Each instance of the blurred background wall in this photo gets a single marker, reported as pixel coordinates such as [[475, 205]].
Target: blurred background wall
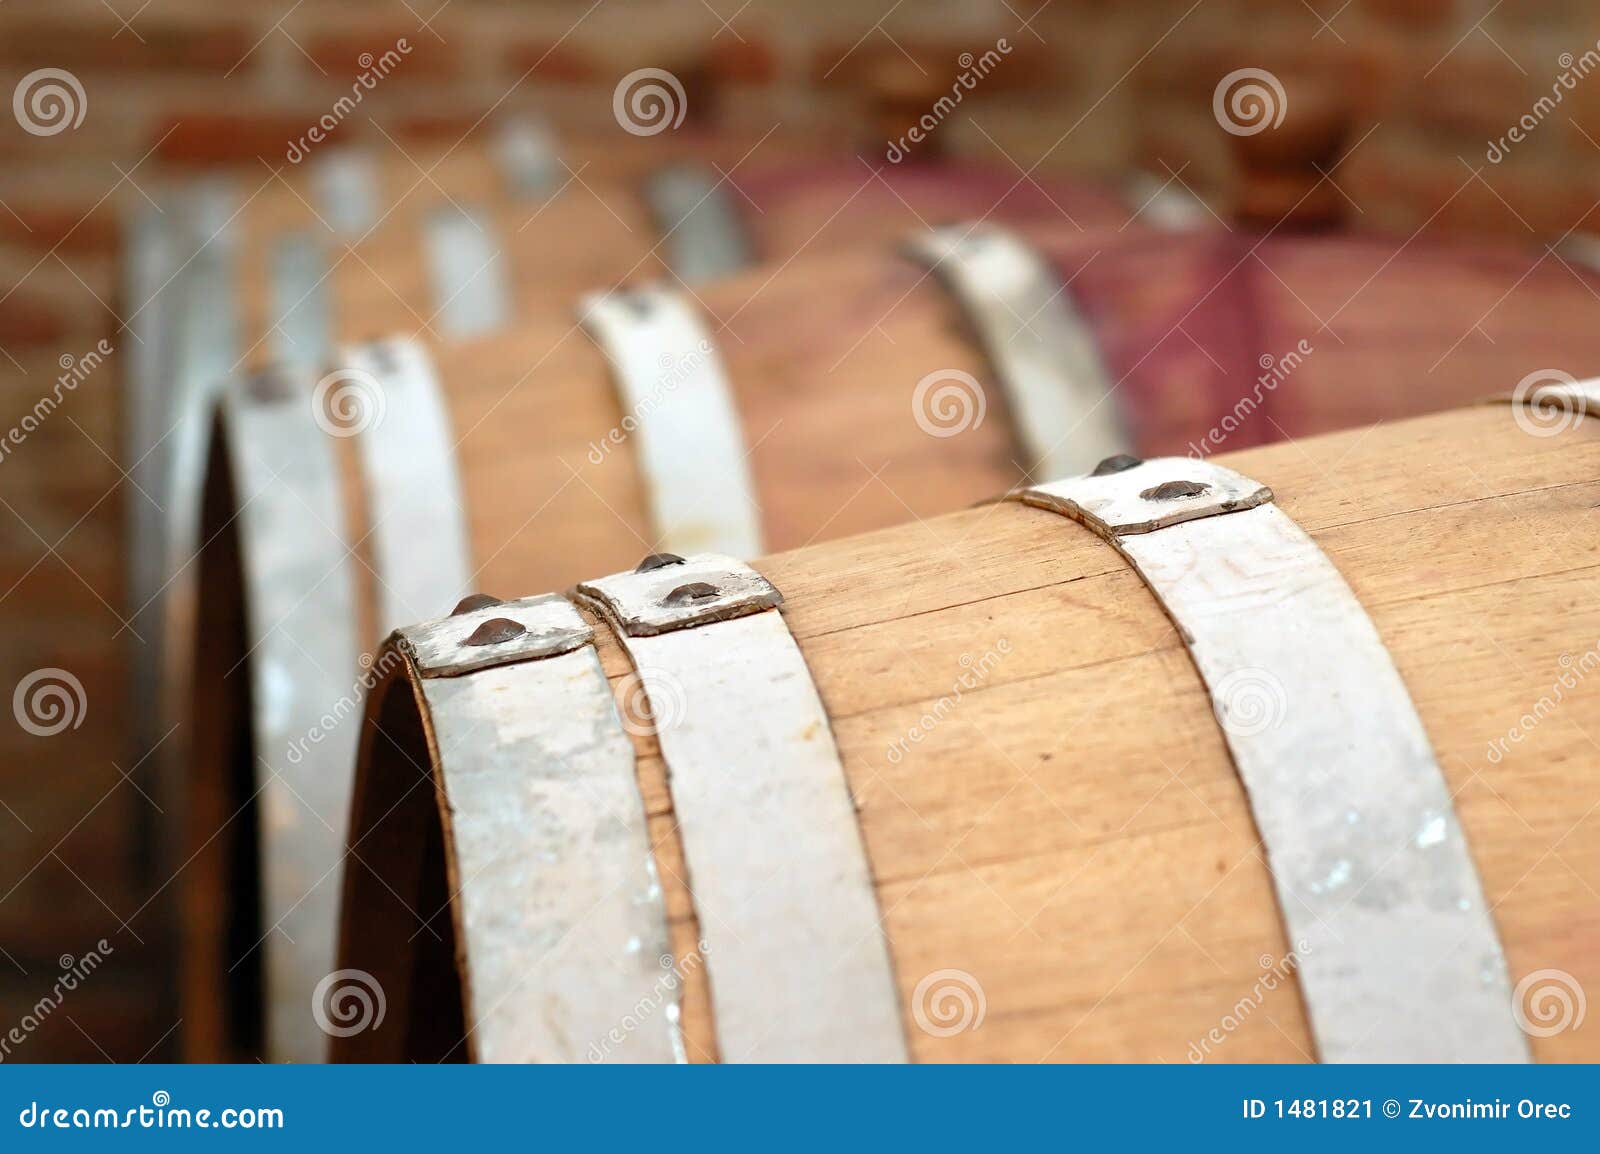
[[1089, 84], [1404, 110]]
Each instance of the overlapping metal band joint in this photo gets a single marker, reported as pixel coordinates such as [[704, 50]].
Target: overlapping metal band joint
[[798, 963]]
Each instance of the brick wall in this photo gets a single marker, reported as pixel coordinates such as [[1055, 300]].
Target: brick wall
[[1090, 84]]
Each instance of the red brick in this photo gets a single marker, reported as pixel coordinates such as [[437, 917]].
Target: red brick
[[936, 64], [742, 61], [1402, 183], [206, 138], [439, 126], [1169, 139], [417, 52], [552, 63], [1551, 199], [1478, 94], [1582, 105], [60, 227], [1316, 123], [28, 324], [209, 47], [1421, 14], [1296, 200], [1186, 68]]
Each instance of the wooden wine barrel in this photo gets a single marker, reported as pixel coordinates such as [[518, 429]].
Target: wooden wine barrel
[[224, 275], [263, 291], [550, 481], [680, 218], [1200, 337], [1053, 833], [426, 396], [268, 280], [229, 274]]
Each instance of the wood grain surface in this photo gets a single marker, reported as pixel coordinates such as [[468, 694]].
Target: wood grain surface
[[1071, 835]]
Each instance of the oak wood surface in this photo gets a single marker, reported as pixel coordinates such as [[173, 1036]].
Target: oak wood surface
[[527, 405], [1072, 834], [825, 348], [824, 352]]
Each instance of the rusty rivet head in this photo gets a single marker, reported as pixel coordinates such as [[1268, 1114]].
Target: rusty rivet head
[[496, 631], [658, 561], [1173, 490], [473, 601], [1121, 463], [690, 594]]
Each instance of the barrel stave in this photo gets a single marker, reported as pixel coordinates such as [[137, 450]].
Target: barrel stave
[[1112, 899]]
